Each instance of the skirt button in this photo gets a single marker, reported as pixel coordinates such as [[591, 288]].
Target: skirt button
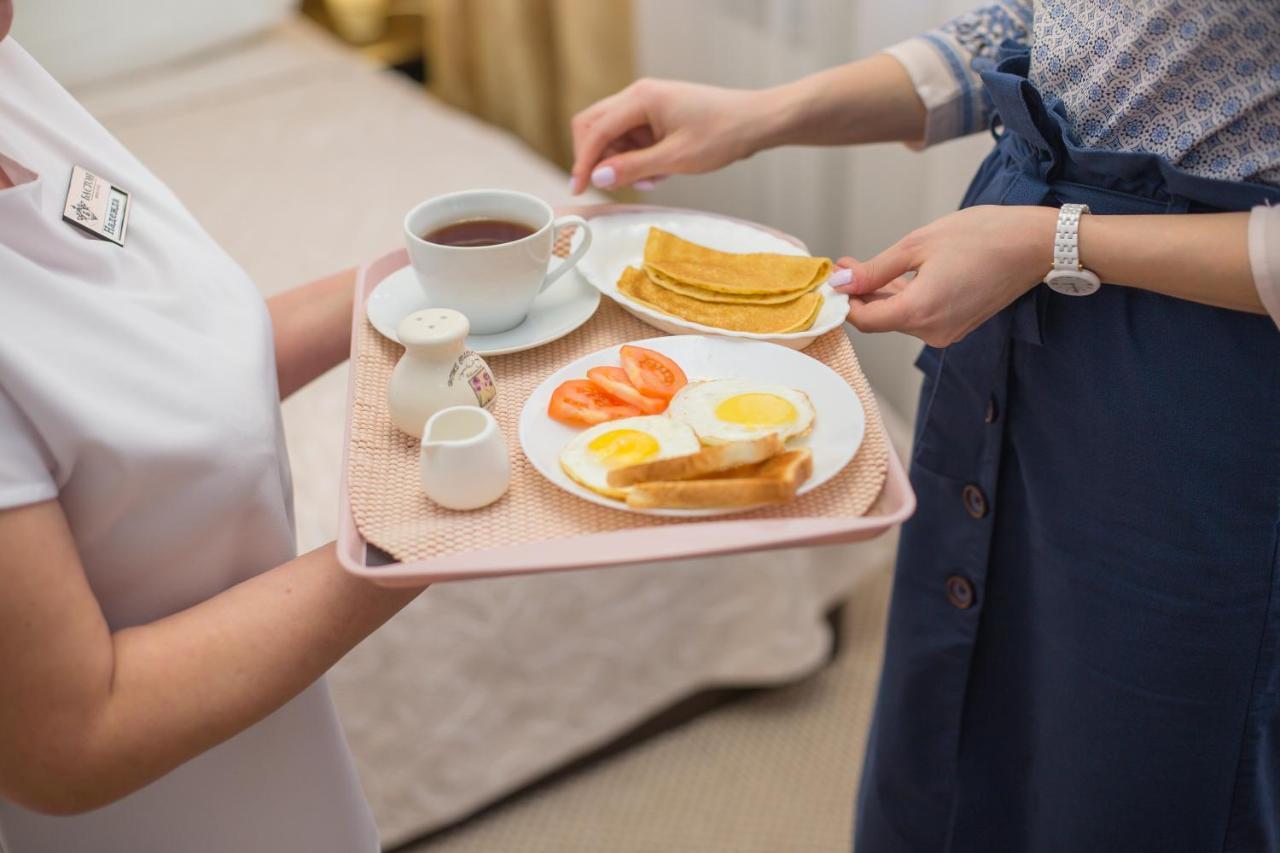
[[959, 592], [975, 502]]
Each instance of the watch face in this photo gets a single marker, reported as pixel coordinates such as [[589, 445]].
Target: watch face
[[1070, 283]]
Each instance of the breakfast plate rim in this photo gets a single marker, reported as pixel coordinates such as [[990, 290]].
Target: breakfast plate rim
[[787, 245], [535, 404]]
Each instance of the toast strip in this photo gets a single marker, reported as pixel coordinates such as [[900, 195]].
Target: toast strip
[[776, 481], [706, 461]]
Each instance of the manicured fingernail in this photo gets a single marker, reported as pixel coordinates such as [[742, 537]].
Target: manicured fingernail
[[645, 184], [604, 177], [573, 189], [841, 277]]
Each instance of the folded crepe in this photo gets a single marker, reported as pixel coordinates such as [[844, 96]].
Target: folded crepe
[[795, 315], [672, 261], [693, 292]]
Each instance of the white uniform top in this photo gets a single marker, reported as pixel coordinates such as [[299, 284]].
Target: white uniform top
[[137, 385]]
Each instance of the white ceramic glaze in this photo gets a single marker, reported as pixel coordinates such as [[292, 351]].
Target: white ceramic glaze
[[463, 458], [494, 286], [436, 371], [619, 243], [557, 311], [837, 430]]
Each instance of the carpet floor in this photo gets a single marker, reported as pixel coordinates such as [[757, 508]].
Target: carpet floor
[[773, 771]]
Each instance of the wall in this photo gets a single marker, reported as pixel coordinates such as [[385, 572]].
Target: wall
[[840, 201]]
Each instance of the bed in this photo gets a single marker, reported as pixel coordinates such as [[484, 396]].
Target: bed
[[300, 158]]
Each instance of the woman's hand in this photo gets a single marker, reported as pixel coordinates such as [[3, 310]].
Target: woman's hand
[[968, 265], [972, 263], [655, 128]]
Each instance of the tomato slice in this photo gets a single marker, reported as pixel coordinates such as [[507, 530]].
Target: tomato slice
[[652, 373], [614, 380], [581, 402]]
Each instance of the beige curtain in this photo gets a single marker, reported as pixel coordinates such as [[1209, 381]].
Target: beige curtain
[[528, 65]]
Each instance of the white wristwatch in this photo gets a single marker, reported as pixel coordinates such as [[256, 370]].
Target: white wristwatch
[[1067, 275]]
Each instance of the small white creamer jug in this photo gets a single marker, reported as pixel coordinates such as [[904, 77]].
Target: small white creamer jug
[[436, 371], [463, 458]]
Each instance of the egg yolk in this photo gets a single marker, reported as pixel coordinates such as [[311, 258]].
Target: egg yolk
[[621, 447], [756, 410]]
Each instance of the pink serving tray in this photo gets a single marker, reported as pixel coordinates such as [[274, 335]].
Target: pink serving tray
[[678, 541]]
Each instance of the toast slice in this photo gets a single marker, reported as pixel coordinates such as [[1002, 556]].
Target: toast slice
[[773, 481], [706, 461]]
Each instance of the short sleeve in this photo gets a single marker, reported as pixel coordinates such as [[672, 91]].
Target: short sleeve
[[26, 468]]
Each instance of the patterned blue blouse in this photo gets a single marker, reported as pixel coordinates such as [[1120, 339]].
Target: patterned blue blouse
[[1195, 81]]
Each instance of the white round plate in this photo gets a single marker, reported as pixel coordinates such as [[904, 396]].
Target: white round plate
[[558, 310], [837, 430], [617, 242]]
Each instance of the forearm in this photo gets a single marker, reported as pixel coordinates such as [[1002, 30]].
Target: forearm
[[185, 683], [871, 100], [312, 329], [1201, 257], [973, 263]]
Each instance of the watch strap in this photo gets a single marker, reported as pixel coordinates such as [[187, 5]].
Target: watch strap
[[1066, 242]]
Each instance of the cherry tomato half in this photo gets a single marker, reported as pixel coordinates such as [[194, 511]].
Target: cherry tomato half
[[652, 373], [581, 402], [614, 381]]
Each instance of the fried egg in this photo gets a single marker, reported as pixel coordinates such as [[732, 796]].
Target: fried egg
[[596, 451], [725, 410]]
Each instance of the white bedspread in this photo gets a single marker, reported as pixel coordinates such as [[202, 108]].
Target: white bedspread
[[301, 159]]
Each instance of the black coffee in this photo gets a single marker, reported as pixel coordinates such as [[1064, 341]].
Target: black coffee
[[478, 232]]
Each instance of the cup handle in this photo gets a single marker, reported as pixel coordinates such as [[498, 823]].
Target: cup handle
[[571, 261]]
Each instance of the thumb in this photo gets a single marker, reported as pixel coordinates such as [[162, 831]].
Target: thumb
[[869, 276], [643, 164], [879, 315]]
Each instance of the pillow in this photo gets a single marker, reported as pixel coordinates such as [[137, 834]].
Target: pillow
[[83, 41]]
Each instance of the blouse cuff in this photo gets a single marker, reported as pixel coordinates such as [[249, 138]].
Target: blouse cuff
[[1264, 257], [945, 85]]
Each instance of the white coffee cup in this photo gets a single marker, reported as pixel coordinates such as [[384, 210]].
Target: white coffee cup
[[493, 285]]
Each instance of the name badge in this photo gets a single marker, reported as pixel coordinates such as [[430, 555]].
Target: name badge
[[97, 206]]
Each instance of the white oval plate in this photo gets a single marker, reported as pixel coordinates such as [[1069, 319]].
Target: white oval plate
[[617, 242], [561, 308], [837, 430]]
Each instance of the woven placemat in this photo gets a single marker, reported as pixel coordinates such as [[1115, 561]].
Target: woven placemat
[[391, 512]]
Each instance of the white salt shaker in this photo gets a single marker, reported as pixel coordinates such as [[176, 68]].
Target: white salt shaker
[[436, 371], [463, 458]]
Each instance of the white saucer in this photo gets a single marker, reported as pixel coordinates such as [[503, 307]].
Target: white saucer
[[561, 308]]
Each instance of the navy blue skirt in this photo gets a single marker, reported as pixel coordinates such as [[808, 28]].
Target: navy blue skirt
[[1082, 644]]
